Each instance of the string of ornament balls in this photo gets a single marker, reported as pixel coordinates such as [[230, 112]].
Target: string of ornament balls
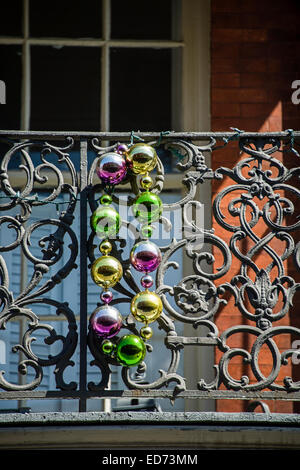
[[106, 321]]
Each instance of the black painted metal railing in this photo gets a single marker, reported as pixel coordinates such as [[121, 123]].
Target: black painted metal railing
[[256, 207]]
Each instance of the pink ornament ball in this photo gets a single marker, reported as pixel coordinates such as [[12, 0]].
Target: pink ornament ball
[[145, 256], [106, 321], [111, 168]]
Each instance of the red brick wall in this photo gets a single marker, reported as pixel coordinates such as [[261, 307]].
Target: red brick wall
[[255, 57]]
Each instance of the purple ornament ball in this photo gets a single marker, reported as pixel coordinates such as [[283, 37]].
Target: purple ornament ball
[[147, 281], [111, 168], [145, 256], [122, 148], [106, 321], [106, 296]]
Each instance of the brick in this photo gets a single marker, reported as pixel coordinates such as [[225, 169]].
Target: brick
[[228, 80], [254, 50], [246, 124], [255, 35], [253, 80], [235, 19], [243, 95], [224, 35], [275, 124], [253, 66], [253, 110], [256, 65], [290, 110], [225, 109], [226, 65], [220, 50]]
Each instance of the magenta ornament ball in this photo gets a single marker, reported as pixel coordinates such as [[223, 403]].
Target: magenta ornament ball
[[147, 281], [106, 321], [111, 168], [145, 256]]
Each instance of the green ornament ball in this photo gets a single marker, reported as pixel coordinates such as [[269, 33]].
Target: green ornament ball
[[146, 231], [131, 350], [147, 207], [106, 200], [107, 346], [105, 221]]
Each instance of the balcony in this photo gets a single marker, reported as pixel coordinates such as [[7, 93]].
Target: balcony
[[226, 274]]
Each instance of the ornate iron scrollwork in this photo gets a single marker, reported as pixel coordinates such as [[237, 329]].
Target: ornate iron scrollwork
[[257, 210], [51, 247]]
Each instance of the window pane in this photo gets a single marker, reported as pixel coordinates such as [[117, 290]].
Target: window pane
[[134, 19], [11, 18], [65, 88], [140, 95], [10, 76], [66, 19]]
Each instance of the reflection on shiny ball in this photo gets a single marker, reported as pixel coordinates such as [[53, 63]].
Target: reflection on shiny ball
[[141, 158], [106, 321], [130, 350], [145, 256], [106, 271], [111, 168], [146, 332], [147, 207], [105, 221], [107, 346], [146, 306]]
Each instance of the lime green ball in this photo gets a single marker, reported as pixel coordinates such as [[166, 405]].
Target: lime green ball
[[130, 350], [105, 221], [147, 207]]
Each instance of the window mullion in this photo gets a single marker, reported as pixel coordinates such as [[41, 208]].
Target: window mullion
[[105, 89], [25, 108]]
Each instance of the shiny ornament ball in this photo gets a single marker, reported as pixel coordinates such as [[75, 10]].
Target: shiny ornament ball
[[106, 321], [146, 332], [141, 158], [111, 168], [147, 207], [106, 200], [107, 346], [147, 281], [146, 231], [146, 306], [122, 148], [105, 247], [130, 350], [145, 256], [106, 222], [106, 271], [146, 182], [106, 296]]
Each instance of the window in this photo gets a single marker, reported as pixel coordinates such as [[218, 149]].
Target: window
[[101, 65], [98, 68], [85, 69]]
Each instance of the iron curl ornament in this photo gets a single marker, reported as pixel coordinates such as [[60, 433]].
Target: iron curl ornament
[[49, 259], [198, 297], [255, 226]]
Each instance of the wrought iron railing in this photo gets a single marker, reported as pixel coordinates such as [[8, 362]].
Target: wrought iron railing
[[254, 227]]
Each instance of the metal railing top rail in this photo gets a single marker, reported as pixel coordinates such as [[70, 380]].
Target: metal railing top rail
[[168, 135]]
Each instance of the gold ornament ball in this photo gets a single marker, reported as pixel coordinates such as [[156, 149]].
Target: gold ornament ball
[[105, 247], [106, 271], [146, 182], [141, 158], [146, 306], [146, 332]]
